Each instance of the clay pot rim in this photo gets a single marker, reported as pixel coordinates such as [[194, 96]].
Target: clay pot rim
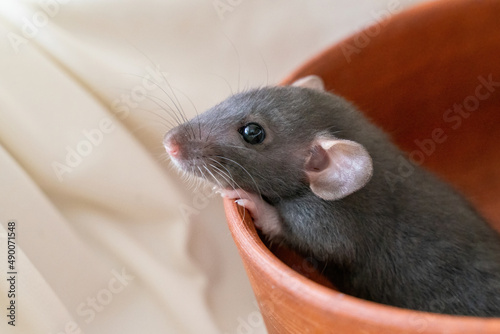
[[335, 302]]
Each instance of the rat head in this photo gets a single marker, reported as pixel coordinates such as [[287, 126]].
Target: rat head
[[276, 141]]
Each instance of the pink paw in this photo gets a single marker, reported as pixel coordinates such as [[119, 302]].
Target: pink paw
[[264, 215]]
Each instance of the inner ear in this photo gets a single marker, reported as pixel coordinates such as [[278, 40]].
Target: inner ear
[[311, 82], [337, 168]]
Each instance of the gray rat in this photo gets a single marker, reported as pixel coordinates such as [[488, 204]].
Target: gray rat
[[312, 170]]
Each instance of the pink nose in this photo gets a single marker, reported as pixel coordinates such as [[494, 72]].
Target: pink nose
[[171, 145], [172, 148]]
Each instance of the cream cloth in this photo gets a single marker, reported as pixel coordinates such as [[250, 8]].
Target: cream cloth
[[108, 238]]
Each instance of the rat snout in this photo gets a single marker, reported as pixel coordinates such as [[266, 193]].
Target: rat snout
[[172, 148], [185, 149], [171, 145]]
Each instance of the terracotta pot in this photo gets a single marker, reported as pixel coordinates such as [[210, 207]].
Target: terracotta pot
[[405, 73]]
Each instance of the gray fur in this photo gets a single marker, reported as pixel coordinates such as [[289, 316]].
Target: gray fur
[[415, 243]]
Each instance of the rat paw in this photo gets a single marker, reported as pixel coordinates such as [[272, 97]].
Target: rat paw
[[264, 215]]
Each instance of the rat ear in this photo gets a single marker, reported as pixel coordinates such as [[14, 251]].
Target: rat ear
[[311, 81], [337, 168]]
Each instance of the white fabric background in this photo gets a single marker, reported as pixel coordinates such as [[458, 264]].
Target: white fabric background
[[107, 229]]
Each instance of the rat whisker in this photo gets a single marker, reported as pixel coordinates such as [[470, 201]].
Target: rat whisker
[[176, 110], [176, 103], [227, 170], [211, 128], [236, 188], [155, 65], [146, 127], [203, 177], [329, 130], [163, 157], [217, 162], [156, 84], [225, 80], [324, 268], [246, 171], [188, 176], [263, 178], [267, 69], [165, 107], [239, 147], [229, 179], [208, 134], [190, 179], [195, 109], [179, 119], [169, 122], [191, 134], [201, 172], [175, 100], [197, 182], [238, 58], [178, 106], [213, 176]]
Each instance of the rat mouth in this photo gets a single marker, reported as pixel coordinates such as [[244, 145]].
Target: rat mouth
[[214, 171]]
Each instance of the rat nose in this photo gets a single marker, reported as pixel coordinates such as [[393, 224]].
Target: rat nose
[[171, 146], [172, 150]]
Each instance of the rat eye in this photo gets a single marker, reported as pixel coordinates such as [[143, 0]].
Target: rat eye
[[252, 133]]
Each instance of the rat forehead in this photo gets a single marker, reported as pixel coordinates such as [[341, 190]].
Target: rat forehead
[[264, 101]]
